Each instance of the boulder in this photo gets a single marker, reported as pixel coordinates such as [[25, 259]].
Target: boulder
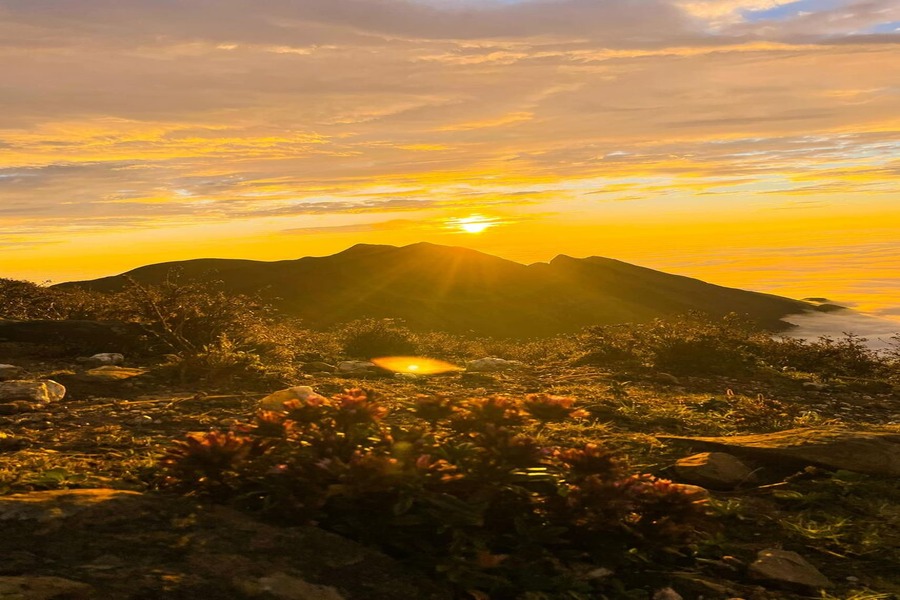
[[44, 588], [276, 400], [8, 372], [814, 386], [110, 373], [104, 358], [787, 569], [85, 336], [699, 495], [355, 367], [872, 452], [130, 545], [317, 367], [667, 593], [715, 470], [15, 408], [33, 391], [286, 587], [666, 378], [492, 364]]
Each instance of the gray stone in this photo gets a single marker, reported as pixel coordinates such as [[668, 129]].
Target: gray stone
[[44, 588], [699, 494], [667, 378], [667, 594], [220, 553], [492, 364], [19, 406], [33, 391], [355, 367], [716, 470], [787, 568], [87, 336], [871, 452], [286, 587], [8, 372], [317, 367], [103, 359]]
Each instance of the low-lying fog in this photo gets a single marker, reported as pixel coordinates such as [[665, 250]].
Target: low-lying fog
[[813, 325]]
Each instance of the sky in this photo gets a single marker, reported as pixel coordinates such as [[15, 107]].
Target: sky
[[751, 143]]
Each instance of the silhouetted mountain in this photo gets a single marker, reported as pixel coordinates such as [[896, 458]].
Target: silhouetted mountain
[[461, 290]]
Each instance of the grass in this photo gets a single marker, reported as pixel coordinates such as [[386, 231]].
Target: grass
[[848, 524]]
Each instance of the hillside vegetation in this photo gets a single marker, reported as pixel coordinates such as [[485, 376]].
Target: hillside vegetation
[[433, 287], [549, 477]]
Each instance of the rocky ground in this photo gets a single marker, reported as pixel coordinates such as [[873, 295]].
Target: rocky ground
[[811, 511]]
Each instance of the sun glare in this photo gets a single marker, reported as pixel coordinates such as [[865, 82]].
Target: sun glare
[[415, 364], [473, 224]]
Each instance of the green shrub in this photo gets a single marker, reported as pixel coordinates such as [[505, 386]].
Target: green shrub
[[370, 338], [462, 490], [21, 300], [846, 356]]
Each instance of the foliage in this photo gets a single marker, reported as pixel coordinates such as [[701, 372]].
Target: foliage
[[370, 338], [26, 300], [697, 345], [463, 489], [23, 300], [846, 356]]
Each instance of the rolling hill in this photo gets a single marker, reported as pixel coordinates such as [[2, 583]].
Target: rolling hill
[[465, 291]]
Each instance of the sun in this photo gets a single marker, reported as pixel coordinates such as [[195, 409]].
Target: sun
[[473, 223]]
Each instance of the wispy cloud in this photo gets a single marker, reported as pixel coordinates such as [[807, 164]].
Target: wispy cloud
[[321, 117]]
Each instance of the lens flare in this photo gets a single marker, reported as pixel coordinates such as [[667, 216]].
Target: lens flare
[[418, 365]]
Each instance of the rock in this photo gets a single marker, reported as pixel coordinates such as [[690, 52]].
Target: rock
[[317, 367], [104, 358], [355, 367], [667, 594], [696, 492], [84, 336], [56, 391], [17, 407], [8, 372], [44, 588], [276, 400], [286, 587], [788, 569], [871, 452], [131, 545], [110, 373], [667, 378], [33, 391], [599, 573], [492, 364], [716, 470]]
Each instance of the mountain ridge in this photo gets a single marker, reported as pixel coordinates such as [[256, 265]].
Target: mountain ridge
[[435, 287]]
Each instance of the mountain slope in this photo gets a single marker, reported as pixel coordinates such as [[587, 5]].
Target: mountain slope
[[461, 290]]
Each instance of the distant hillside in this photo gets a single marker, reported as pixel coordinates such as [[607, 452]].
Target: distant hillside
[[461, 290]]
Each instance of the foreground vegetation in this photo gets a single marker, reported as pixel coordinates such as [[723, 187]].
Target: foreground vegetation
[[546, 481]]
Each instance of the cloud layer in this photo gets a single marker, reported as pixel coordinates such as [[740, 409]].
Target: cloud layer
[[331, 118]]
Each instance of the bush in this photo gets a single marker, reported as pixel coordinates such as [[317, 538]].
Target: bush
[[370, 338], [22, 300], [462, 490], [847, 356], [690, 344]]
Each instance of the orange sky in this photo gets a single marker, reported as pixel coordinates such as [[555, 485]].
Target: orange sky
[[753, 143]]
